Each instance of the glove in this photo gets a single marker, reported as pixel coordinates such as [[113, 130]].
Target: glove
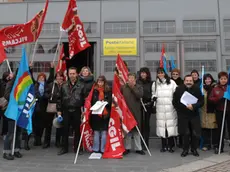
[[59, 118]]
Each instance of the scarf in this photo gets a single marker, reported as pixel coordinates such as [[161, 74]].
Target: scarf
[[41, 88], [100, 98]]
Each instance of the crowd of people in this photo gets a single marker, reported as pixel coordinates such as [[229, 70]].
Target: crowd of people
[[177, 125]]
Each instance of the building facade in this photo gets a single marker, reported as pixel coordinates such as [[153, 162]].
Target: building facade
[[195, 32]]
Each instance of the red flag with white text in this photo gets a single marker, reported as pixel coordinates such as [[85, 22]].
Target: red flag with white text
[[76, 34], [121, 67], [114, 147], [2, 54], [24, 33]]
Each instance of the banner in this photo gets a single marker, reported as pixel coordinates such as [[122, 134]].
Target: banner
[[23, 33], [87, 139], [76, 33], [123, 46]]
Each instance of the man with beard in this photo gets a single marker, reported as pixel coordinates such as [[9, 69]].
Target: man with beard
[[188, 116]]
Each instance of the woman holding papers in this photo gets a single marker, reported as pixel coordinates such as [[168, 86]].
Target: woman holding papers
[[99, 122], [216, 97], [166, 116], [208, 117]]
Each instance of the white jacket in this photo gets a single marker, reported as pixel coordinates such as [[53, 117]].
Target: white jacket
[[166, 116]]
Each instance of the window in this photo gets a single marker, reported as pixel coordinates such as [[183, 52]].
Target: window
[[120, 27], [159, 27], [199, 26], [200, 46], [109, 65], [17, 50], [209, 65], [227, 64], [51, 29], [90, 27], [45, 48], [41, 67], [131, 65], [157, 46], [226, 25], [227, 45]]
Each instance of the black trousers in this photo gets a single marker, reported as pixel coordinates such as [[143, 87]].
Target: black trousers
[[73, 119], [4, 124], [145, 124], [39, 124], [219, 118], [192, 132], [167, 142], [48, 123], [208, 137]]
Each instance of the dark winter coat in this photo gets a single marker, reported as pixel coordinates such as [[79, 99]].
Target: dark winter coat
[[42, 100], [178, 81], [216, 97], [88, 84], [56, 92], [132, 97], [96, 122], [71, 97]]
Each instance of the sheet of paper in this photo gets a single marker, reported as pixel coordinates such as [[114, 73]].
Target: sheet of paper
[[188, 98], [95, 156], [98, 107]]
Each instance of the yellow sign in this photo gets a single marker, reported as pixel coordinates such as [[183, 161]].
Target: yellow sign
[[122, 46]]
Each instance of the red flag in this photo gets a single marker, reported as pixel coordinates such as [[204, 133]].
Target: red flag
[[24, 33], [162, 56], [76, 34], [2, 54], [61, 62], [122, 69], [114, 147]]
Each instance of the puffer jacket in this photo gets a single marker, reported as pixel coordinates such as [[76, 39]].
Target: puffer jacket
[[71, 97], [166, 116]]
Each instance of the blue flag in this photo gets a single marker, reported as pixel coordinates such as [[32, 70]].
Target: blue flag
[[227, 92], [165, 64], [202, 81], [173, 65], [22, 97]]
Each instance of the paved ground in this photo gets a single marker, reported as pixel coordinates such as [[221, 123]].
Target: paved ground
[[40, 160]]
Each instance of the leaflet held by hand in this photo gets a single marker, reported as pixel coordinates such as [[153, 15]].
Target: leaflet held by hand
[[98, 107], [188, 99]]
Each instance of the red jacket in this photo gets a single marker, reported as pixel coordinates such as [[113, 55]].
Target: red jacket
[[216, 97]]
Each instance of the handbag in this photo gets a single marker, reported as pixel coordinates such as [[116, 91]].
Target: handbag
[[3, 103], [52, 107]]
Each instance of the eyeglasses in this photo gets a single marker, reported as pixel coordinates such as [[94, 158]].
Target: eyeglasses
[[175, 74]]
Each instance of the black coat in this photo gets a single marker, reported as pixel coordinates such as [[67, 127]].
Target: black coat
[[88, 84], [71, 97], [96, 122], [56, 92], [178, 81], [147, 90]]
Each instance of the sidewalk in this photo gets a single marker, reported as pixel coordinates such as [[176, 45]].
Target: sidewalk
[[215, 163]]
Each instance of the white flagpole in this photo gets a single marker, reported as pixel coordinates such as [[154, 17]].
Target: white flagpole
[[8, 64], [35, 46], [143, 140], [14, 138], [79, 144], [222, 127], [58, 45]]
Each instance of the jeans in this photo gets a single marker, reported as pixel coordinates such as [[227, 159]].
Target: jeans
[[96, 141], [9, 137]]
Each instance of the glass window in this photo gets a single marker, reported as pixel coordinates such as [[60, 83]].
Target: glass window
[[51, 29], [45, 48], [200, 46], [227, 45], [150, 27], [90, 27], [226, 25], [199, 26], [157, 46], [41, 67], [120, 27], [210, 65], [109, 65], [17, 50]]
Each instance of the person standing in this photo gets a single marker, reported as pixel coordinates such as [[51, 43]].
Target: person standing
[[99, 122], [216, 97], [188, 116], [52, 92], [166, 116], [132, 93], [145, 81], [208, 117], [69, 105], [195, 76]]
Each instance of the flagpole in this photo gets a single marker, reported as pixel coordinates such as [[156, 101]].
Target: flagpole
[[58, 45], [35, 46], [14, 138], [8, 64], [79, 144], [143, 140], [222, 127]]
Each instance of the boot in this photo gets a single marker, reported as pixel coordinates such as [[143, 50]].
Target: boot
[[37, 141]]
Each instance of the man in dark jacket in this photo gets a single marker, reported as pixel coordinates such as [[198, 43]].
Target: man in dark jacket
[[188, 116], [69, 106], [132, 93]]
